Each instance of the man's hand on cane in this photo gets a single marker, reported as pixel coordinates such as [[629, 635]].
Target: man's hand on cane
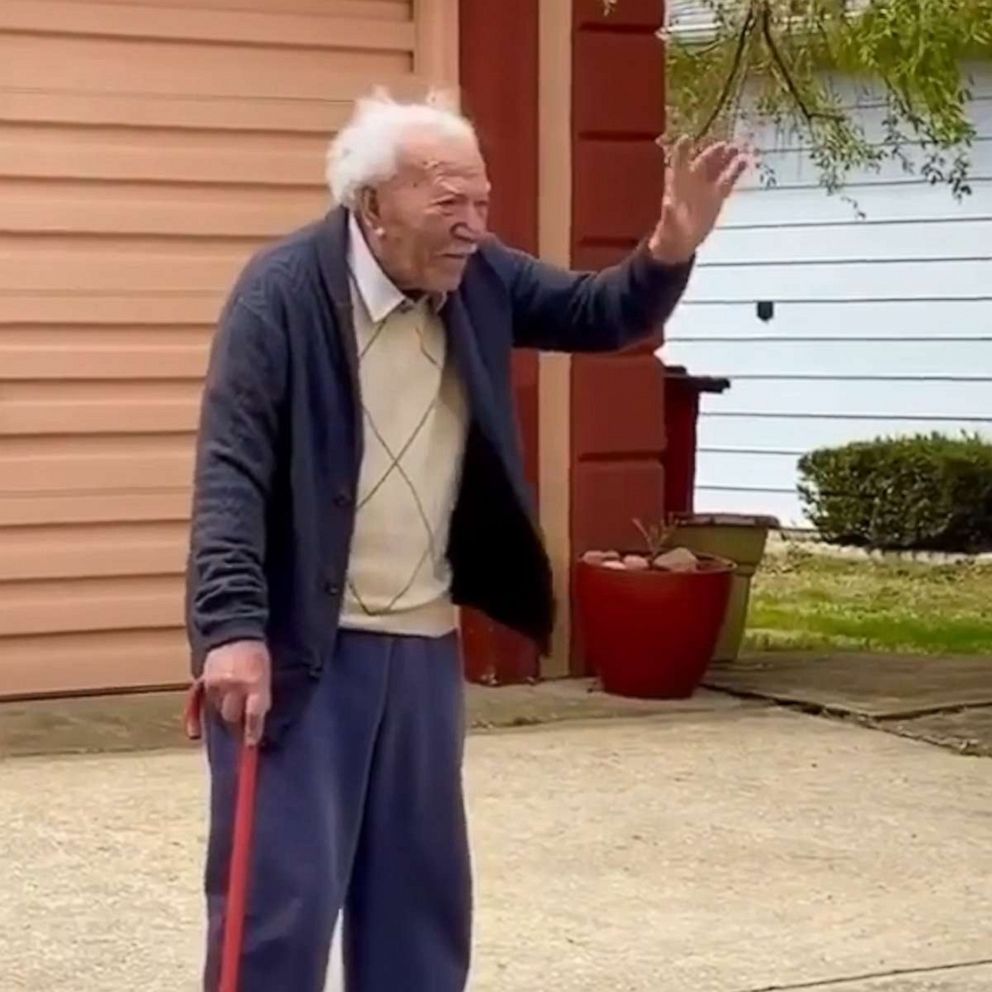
[[237, 680], [696, 188]]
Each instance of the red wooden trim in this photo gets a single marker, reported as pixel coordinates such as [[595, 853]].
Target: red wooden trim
[[498, 65], [617, 402]]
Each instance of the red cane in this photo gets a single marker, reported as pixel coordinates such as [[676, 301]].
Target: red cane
[[239, 871]]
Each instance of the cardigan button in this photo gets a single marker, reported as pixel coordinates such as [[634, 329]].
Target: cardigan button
[[331, 587], [342, 499]]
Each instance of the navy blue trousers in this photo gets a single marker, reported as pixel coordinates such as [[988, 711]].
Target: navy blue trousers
[[360, 809]]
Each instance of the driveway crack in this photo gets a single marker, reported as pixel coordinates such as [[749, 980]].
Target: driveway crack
[[873, 976]]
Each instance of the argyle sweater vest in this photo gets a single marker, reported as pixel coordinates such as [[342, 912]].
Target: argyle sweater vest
[[414, 427]]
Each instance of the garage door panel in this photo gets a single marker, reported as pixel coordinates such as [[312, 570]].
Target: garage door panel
[[83, 551], [147, 149], [159, 249], [170, 210], [96, 417], [58, 17], [39, 271], [70, 605], [88, 661], [92, 157], [382, 10], [86, 307], [85, 64], [50, 465], [127, 360], [92, 344], [319, 115], [26, 509], [72, 143], [110, 391]]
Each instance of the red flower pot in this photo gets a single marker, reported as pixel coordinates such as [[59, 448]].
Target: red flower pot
[[651, 634]]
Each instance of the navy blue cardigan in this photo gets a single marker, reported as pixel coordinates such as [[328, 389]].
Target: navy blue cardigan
[[280, 442]]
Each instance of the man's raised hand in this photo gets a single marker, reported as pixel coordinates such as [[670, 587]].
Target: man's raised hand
[[696, 188]]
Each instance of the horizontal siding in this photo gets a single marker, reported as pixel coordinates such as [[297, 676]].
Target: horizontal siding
[[736, 322], [731, 428], [786, 394], [810, 204], [197, 112], [388, 10], [785, 154], [146, 149], [844, 360], [875, 240], [104, 155], [40, 268], [98, 462], [686, 16], [81, 551], [234, 70], [60, 606], [882, 321], [854, 280], [162, 208], [205, 25], [70, 506], [87, 661]]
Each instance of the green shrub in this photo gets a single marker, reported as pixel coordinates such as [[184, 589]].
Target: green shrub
[[928, 492]]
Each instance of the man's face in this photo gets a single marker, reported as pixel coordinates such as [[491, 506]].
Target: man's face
[[427, 221]]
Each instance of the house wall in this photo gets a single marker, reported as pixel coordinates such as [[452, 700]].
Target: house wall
[[146, 148], [881, 325]]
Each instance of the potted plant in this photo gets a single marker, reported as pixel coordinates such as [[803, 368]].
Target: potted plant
[[737, 536], [649, 621]]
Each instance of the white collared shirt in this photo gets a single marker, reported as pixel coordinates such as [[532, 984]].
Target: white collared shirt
[[379, 293]]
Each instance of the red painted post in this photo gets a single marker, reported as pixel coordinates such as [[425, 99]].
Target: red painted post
[[498, 66], [618, 111]]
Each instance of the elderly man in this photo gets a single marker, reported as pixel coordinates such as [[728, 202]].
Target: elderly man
[[358, 477]]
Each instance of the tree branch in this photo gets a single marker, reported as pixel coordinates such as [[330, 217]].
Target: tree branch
[[768, 34], [728, 85]]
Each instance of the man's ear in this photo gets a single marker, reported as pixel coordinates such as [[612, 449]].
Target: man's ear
[[368, 210]]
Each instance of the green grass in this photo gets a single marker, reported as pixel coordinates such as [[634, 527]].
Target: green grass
[[802, 601]]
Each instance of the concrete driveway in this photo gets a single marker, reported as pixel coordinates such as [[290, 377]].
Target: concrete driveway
[[736, 848]]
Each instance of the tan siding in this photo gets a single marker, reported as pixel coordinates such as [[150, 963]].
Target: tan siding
[[104, 604], [73, 506], [114, 308], [87, 661], [206, 112], [267, 27], [146, 148], [131, 209], [82, 551]]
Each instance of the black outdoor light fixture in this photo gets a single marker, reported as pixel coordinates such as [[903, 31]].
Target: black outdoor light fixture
[[766, 310]]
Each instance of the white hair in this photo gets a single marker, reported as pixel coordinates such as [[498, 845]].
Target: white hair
[[366, 150]]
